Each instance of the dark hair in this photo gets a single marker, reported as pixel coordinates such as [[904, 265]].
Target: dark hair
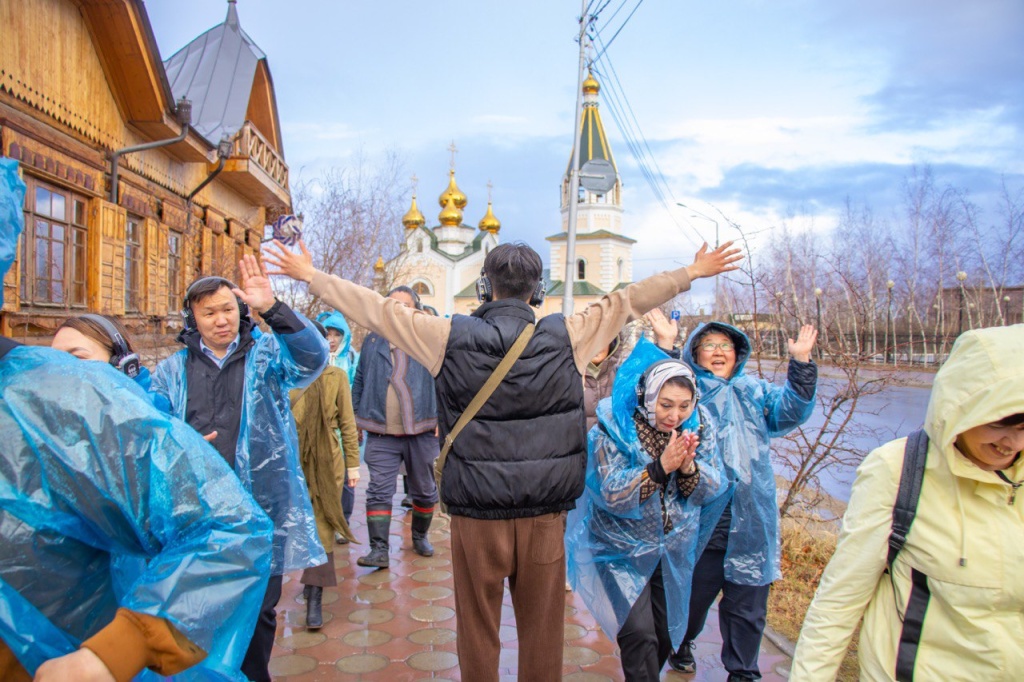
[[514, 270], [681, 382], [1012, 420], [93, 330], [205, 287], [402, 289]]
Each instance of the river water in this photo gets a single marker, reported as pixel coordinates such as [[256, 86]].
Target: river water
[[893, 413]]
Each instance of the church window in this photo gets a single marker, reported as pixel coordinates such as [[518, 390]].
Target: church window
[[581, 269], [419, 246], [622, 270], [422, 288]]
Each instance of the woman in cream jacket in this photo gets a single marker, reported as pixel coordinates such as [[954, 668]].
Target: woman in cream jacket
[[966, 545]]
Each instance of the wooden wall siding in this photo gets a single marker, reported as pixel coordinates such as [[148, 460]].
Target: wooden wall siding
[[105, 253], [48, 60], [51, 163], [173, 216], [155, 275], [206, 254], [262, 110]]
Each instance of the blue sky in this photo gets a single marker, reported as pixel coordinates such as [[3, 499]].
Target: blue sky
[[770, 110]]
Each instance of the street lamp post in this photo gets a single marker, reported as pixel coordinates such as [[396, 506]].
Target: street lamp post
[[961, 277], [817, 316], [889, 322]]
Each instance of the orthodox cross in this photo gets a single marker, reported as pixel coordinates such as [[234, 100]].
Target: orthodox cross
[[415, 183], [490, 186], [453, 149]]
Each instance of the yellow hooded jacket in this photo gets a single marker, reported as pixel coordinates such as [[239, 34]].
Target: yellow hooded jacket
[[967, 538]]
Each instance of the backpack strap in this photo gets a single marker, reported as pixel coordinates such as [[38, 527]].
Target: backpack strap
[[479, 400], [915, 455]]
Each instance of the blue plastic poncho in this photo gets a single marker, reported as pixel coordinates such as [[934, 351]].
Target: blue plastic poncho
[[749, 412], [613, 540], [266, 456], [347, 358]]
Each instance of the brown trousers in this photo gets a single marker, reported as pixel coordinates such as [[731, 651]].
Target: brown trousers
[[322, 575], [531, 554]]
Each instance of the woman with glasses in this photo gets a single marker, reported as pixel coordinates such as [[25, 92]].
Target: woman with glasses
[[741, 559]]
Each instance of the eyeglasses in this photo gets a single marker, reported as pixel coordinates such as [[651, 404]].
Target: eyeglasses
[[710, 347]]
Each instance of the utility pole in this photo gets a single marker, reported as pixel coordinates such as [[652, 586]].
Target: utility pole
[[574, 170]]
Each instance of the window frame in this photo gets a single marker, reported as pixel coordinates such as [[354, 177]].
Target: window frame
[[73, 247]]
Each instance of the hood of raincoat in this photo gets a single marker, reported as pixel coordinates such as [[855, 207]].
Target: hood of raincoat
[[90, 472], [12, 220], [980, 383], [334, 320], [748, 413], [614, 541]]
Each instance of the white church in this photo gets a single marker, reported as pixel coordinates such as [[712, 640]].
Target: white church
[[442, 263]]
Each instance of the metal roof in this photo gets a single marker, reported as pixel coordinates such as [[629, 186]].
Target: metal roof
[[216, 72]]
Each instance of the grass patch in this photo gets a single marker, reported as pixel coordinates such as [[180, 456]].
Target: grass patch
[[806, 549]]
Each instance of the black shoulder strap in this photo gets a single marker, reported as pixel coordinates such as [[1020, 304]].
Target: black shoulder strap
[[914, 456], [6, 345]]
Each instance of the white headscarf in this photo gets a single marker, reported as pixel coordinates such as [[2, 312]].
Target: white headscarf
[[656, 376]]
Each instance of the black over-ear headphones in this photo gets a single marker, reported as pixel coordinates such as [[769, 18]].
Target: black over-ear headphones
[[485, 292], [122, 359], [641, 385], [189, 317]]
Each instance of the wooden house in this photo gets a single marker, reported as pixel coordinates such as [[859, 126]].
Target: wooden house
[[123, 234]]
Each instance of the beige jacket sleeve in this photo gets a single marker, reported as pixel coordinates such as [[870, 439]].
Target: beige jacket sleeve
[[851, 577], [423, 336], [593, 329]]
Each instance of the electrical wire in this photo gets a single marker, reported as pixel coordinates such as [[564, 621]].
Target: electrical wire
[[616, 35], [627, 122]]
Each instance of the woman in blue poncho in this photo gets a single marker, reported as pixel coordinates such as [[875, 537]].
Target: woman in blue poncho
[[633, 540]]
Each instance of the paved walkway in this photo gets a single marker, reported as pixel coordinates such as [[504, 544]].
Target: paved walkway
[[398, 624]]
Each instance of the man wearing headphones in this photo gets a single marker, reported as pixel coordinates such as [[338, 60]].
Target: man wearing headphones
[[519, 464], [395, 404], [231, 381]]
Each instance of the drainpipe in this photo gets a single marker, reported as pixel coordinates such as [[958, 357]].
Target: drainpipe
[[224, 148], [183, 112]]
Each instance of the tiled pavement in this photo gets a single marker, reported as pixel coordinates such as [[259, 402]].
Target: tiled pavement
[[398, 624]]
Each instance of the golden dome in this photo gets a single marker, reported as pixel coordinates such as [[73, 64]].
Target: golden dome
[[590, 85], [413, 218], [454, 192], [490, 223], [379, 265], [450, 215]]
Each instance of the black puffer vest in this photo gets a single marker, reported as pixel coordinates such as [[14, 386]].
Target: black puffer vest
[[525, 452]]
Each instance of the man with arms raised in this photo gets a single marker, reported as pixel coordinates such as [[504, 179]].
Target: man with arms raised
[[519, 464], [231, 381]]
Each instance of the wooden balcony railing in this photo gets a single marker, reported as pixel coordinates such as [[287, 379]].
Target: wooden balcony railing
[[250, 144]]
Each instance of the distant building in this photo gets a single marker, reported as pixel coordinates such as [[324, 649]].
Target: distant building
[[82, 79], [442, 263]]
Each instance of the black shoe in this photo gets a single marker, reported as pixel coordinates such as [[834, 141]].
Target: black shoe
[[421, 545], [733, 677], [378, 556], [407, 502], [305, 593], [377, 528], [314, 610], [682, 660], [340, 539]]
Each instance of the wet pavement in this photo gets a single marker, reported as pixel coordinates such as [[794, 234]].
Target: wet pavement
[[398, 624]]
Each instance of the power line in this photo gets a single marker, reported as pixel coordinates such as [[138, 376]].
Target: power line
[[626, 21]]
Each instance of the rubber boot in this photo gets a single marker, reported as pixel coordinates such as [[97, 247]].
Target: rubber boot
[[305, 593], [378, 523], [421, 518], [314, 608]]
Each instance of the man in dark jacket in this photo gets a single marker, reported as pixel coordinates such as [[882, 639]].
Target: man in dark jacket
[[231, 382], [519, 464], [395, 404]]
